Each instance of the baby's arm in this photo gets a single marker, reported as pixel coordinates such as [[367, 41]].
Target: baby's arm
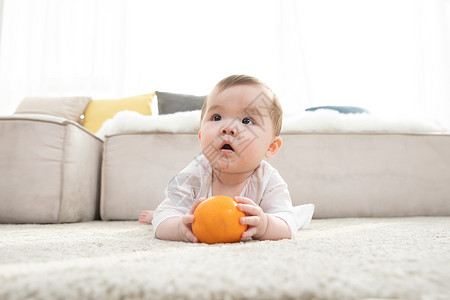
[[178, 228], [262, 226]]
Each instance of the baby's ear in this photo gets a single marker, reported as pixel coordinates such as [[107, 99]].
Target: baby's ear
[[274, 147], [200, 135]]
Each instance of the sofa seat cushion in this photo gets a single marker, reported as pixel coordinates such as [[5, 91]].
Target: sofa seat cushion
[[342, 174], [138, 167], [368, 175]]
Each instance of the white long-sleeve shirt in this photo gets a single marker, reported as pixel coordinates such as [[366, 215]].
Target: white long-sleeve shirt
[[265, 187]]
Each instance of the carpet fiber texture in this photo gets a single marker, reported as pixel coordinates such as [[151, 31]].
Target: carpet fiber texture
[[402, 258]]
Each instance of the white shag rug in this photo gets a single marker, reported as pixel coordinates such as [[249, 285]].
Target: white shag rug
[[401, 258], [322, 120]]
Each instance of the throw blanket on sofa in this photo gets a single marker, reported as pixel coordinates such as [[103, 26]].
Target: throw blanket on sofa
[[310, 121], [401, 258]]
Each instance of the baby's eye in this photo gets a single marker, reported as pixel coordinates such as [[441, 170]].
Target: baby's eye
[[216, 118], [247, 121]]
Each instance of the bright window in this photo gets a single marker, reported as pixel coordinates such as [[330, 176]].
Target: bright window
[[389, 56]]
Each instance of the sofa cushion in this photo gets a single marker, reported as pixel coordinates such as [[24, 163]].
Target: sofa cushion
[[137, 168], [98, 111], [367, 175], [170, 103], [70, 108], [342, 174]]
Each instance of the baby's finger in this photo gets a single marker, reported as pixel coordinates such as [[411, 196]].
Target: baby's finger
[[250, 221], [191, 237], [251, 210], [196, 203], [244, 200], [187, 219], [187, 235], [249, 233]]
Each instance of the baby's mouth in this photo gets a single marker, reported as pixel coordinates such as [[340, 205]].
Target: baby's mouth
[[227, 147]]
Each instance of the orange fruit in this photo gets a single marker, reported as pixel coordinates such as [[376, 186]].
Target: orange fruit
[[217, 221]]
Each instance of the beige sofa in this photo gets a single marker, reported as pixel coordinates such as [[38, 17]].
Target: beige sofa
[[343, 174], [49, 163]]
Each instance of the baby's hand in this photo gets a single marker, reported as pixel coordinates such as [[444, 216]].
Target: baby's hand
[[256, 219], [185, 228]]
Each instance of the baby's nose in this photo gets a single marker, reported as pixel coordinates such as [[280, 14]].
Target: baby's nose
[[229, 130]]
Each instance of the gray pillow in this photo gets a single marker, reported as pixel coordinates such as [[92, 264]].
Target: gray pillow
[[169, 103]]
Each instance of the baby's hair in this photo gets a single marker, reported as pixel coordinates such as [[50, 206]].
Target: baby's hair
[[275, 111]]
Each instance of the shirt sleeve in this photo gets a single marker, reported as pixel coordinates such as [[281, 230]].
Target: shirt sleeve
[[277, 202], [180, 194]]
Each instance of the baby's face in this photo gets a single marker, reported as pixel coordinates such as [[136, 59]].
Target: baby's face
[[236, 130]]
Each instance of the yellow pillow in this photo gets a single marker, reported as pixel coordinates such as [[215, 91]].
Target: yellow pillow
[[98, 111]]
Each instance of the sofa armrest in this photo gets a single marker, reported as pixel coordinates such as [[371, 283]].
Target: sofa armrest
[[48, 119], [50, 170]]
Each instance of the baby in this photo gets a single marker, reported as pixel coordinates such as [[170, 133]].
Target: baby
[[240, 126]]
